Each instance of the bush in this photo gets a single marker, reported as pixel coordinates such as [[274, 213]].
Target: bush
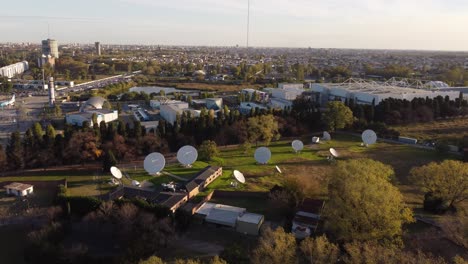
[[82, 205]]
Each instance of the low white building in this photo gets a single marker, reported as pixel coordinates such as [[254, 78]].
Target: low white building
[[368, 92], [169, 110], [287, 94], [277, 103], [231, 216], [19, 189], [263, 96], [291, 86], [93, 106], [249, 223]]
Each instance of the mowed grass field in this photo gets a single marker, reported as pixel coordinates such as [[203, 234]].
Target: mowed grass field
[[311, 165], [81, 183], [445, 130]]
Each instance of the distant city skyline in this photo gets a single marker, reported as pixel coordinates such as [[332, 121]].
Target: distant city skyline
[[357, 24]]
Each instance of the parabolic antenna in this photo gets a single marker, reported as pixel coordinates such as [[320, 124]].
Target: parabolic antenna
[[334, 153], [315, 140], [369, 137], [278, 169], [297, 145], [262, 155], [154, 163], [116, 172], [135, 183], [326, 136], [239, 176], [187, 155]]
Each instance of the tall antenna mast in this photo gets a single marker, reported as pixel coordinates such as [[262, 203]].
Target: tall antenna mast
[[248, 22], [48, 30]]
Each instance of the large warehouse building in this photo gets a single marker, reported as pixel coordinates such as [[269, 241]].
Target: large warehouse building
[[366, 92]]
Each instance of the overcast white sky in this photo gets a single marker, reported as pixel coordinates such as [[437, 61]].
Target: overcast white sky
[[371, 24]]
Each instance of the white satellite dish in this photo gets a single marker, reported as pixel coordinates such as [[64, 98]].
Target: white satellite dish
[[239, 176], [135, 183], [154, 163], [262, 155], [116, 172], [297, 145], [369, 137], [315, 140], [326, 136], [334, 153], [187, 155], [278, 169]]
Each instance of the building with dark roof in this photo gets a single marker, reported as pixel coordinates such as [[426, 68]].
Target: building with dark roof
[[168, 199], [307, 217], [200, 180]]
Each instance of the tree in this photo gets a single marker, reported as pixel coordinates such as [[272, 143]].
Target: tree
[[357, 252], [245, 147], [363, 204], [447, 180], [14, 151], [152, 260], [108, 161], [275, 247], [82, 147], [57, 110], [337, 115], [263, 127], [208, 150], [319, 250], [3, 157]]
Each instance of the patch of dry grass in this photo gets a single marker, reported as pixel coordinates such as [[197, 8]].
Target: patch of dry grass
[[450, 130]]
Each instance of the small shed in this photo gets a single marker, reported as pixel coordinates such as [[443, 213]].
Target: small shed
[[249, 223], [19, 189]]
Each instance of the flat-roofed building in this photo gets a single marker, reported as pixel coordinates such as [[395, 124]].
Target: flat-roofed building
[[94, 106], [368, 92], [19, 189], [249, 223]]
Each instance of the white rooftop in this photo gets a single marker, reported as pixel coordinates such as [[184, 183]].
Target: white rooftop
[[250, 218]]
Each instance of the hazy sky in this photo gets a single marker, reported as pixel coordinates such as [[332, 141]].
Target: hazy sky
[[381, 24]]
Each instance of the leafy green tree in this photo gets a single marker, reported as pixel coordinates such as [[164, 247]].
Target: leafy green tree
[[57, 110], [246, 147], [275, 247], [152, 260], [368, 252], [208, 150], [363, 204], [14, 151], [262, 128], [108, 161], [38, 132], [447, 180], [337, 115], [319, 250], [5, 85]]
